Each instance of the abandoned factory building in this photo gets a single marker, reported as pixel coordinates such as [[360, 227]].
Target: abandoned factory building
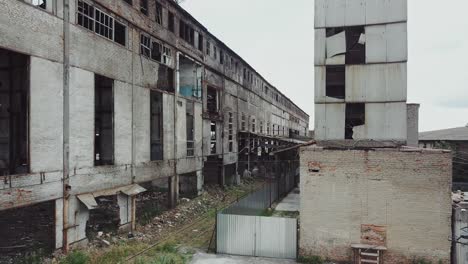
[[368, 194], [99, 98]]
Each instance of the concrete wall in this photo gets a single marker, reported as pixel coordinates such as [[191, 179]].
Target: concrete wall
[[407, 193]]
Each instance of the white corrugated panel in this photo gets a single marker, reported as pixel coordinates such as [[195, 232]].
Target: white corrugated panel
[[396, 81], [320, 10], [336, 44], [319, 46], [282, 243], [397, 42], [384, 121], [386, 11], [375, 11], [335, 13], [355, 12], [376, 44], [336, 60], [330, 121], [235, 234]]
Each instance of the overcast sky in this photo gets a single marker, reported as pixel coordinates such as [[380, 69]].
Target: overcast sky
[[276, 37]]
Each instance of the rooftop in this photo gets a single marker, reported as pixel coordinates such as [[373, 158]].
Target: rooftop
[[454, 134]]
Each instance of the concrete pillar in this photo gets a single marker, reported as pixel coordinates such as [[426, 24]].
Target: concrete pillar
[[412, 125], [173, 190], [58, 223], [200, 182]]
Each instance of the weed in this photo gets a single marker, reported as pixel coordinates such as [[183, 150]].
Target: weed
[[75, 257], [35, 257], [310, 260]]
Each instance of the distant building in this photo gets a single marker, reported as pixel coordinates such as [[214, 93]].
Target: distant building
[[455, 139]]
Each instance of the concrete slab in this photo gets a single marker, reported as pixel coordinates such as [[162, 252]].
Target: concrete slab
[[290, 203], [203, 258]]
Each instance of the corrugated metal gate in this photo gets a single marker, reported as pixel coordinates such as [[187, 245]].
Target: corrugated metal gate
[[240, 230]]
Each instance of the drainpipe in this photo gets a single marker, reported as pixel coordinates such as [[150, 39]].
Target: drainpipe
[[173, 182], [66, 124], [132, 166]]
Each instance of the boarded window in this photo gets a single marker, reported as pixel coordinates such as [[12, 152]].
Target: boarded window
[[190, 122], [14, 109], [335, 82], [213, 137], [212, 99], [156, 126], [104, 121], [355, 116]]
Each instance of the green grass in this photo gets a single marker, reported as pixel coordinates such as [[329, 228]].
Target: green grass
[[76, 257], [310, 260]]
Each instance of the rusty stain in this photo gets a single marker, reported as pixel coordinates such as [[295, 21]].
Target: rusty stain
[[373, 235]]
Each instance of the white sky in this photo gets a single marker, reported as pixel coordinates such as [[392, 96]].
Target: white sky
[[276, 37]]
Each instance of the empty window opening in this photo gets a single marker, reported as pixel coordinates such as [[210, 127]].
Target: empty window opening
[[165, 79], [212, 100], [156, 126], [120, 35], [253, 125], [336, 82], [186, 32], [104, 121], [268, 128], [190, 125], [261, 127], [156, 51], [355, 116], [188, 187], [231, 132], [221, 57], [144, 7], [27, 230], [14, 109], [215, 52], [213, 137], [153, 202], [159, 13], [104, 218], [200, 42], [190, 78], [243, 123], [170, 21], [40, 3], [208, 48], [355, 46]]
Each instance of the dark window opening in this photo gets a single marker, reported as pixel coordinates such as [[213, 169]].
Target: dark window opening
[[14, 111], [156, 51], [243, 122], [165, 79], [105, 217], [104, 24], [130, 2], [335, 82], [40, 3], [215, 52], [120, 34], [186, 32], [208, 48], [333, 31], [212, 99], [231, 132], [159, 13], [86, 15], [104, 121], [181, 29], [190, 122], [156, 126], [200, 42], [144, 7], [213, 137], [253, 125], [355, 52], [355, 116], [170, 22], [221, 57]]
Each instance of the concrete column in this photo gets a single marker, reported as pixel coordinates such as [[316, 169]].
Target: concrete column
[[58, 223], [173, 190], [412, 125]]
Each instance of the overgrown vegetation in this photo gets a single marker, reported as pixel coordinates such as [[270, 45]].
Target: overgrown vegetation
[[423, 261], [310, 260], [75, 257]]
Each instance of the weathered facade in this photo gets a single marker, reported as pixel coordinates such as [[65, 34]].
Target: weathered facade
[[396, 199], [99, 96]]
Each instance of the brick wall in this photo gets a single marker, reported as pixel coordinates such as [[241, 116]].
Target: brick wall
[[405, 194]]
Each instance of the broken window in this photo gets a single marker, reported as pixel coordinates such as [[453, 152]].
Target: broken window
[[145, 45], [200, 42], [355, 116], [186, 32], [104, 121], [335, 81], [40, 3], [156, 126], [144, 7], [213, 137], [167, 55], [170, 21], [190, 78], [120, 35], [14, 109], [190, 120], [159, 13], [243, 122], [165, 79], [355, 45], [208, 48], [231, 132], [156, 51], [212, 99], [101, 23]]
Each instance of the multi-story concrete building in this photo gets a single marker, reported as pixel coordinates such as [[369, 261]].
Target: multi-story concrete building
[[99, 96], [360, 70], [365, 196]]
